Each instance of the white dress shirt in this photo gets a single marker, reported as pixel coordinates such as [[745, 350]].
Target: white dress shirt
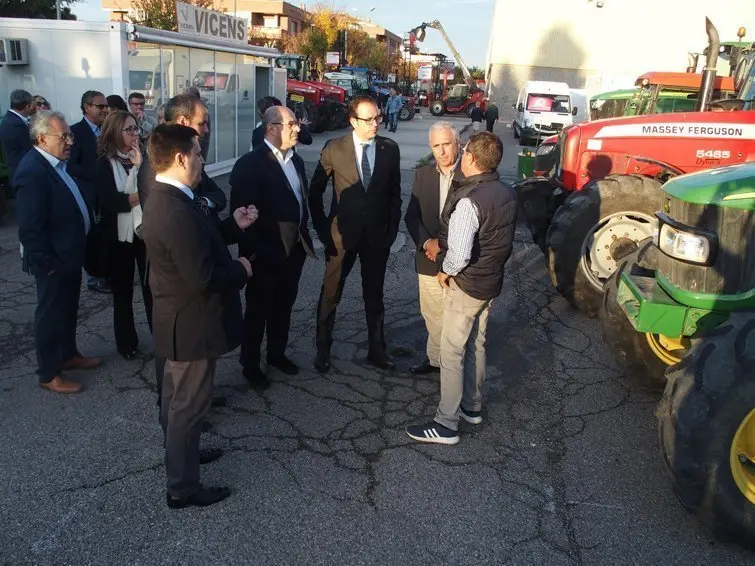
[[289, 170], [462, 229], [370, 154], [178, 184]]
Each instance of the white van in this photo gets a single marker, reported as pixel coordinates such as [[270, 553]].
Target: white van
[[542, 109]]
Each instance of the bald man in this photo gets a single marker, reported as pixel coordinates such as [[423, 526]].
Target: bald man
[[272, 177]]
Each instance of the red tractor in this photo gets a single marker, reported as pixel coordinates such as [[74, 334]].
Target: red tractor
[[460, 97], [601, 199]]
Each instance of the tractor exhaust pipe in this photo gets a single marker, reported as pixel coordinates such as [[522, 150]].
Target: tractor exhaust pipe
[[692, 59], [709, 73]]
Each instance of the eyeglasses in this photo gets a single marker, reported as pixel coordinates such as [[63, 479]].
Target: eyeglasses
[[132, 130], [99, 106], [291, 124], [374, 119], [66, 136]]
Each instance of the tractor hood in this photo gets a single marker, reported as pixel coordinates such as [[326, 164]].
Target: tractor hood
[[731, 187]]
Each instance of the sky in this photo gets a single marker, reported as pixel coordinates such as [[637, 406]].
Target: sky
[[467, 22]]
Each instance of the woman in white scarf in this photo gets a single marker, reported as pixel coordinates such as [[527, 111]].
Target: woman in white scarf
[[117, 167]]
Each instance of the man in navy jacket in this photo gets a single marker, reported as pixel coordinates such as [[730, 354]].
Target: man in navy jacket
[[14, 130], [83, 162], [53, 222]]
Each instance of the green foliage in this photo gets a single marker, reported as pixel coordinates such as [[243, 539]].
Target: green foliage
[[36, 9], [161, 14]]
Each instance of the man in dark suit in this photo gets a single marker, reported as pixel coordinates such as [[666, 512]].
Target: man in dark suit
[[363, 222], [273, 179], [14, 130], [83, 162], [186, 110], [53, 221], [197, 309], [258, 134], [431, 187]]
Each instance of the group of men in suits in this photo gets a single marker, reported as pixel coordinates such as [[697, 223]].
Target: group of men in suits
[[362, 223]]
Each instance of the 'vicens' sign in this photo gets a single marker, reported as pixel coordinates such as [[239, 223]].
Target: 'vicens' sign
[[209, 23]]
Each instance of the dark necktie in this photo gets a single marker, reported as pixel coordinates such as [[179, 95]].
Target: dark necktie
[[201, 205], [366, 174]]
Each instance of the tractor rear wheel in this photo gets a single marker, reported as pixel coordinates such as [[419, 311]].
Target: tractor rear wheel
[[706, 426], [438, 108], [593, 230], [406, 113], [645, 355]]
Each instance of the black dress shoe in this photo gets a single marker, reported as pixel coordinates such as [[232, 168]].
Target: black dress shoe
[[285, 365], [322, 363], [424, 367], [207, 455], [219, 401], [381, 361], [256, 378], [201, 498], [130, 354]]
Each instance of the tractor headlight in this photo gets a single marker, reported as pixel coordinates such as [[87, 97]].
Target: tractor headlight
[[545, 148], [685, 243]]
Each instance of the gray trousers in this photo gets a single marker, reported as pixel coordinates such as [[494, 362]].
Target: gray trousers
[[431, 295], [462, 355], [187, 396]]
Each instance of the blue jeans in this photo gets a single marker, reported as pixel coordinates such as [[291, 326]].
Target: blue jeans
[[393, 120]]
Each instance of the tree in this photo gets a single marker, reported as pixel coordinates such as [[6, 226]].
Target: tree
[[161, 14], [36, 9]]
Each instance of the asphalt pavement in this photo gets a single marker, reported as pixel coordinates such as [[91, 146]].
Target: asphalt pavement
[[565, 468]]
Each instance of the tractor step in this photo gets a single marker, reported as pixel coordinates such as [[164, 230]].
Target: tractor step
[[650, 308]]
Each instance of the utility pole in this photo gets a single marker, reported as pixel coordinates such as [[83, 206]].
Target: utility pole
[[57, 9]]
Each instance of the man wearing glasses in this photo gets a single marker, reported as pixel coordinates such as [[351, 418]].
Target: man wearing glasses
[[53, 221], [363, 222], [272, 178], [136, 102], [83, 162]]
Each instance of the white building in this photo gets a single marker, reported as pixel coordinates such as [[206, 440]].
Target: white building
[[599, 45], [62, 59]]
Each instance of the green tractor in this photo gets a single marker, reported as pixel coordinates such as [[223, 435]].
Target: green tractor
[[684, 302]]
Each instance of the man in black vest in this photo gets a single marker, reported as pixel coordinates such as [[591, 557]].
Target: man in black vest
[[430, 190], [272, 178], [476, 237]]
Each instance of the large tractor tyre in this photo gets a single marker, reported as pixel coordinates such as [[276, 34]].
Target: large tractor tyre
[[468, 110], [706, 427], [593, 230], [406, 113], [645, 356], [437, 108]]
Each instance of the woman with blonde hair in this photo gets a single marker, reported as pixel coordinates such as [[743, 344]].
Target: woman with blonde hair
[[117, 168]]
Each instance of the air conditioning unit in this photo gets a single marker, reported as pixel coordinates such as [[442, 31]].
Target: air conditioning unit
[[14, 51]]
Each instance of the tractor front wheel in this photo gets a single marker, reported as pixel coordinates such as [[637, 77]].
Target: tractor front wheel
[[594, 229], [645, 356], [707, 429], [437, 108]]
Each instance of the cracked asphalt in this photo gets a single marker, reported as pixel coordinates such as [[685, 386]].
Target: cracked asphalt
[[564, 469]]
